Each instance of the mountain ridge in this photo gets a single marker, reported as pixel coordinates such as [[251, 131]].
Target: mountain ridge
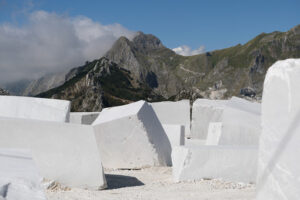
[[150, 66], [99, 84], [196, 74]]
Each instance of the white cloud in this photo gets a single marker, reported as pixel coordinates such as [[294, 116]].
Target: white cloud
[[185, 50], [50, 42]]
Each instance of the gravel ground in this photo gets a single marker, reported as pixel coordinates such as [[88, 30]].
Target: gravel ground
[[156, 183]]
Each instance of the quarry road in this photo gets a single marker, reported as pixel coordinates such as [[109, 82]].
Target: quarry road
[[156, 183]]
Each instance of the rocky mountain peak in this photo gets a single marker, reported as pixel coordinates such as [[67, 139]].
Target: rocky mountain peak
[[98, 84], [296, 30], [142, 68], [146, 41], [122, 43], [132, 55], [142, 43]]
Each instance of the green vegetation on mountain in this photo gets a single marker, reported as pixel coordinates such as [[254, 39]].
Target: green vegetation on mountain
[[142, 68], [100, 84], [217, 74]]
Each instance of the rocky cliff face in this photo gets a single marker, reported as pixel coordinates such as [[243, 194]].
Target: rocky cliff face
[[143, 68], [238, 70], [149, 61], [100, 84]]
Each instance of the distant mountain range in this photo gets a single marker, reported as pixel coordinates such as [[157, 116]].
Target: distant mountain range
[[143, 68]]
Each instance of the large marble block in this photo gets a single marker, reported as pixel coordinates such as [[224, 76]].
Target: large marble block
[[241, 123], [35, 108], [279, 169], [230, 163], [83, 117], [131, 136], [19, 176], [214, 133], [174, 112], [227, 122], [175, 134], [205, 111], [63, 152]]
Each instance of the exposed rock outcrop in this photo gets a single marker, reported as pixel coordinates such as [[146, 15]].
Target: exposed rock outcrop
[[3, 92], [101, 83], [238, 67], [142, 68]]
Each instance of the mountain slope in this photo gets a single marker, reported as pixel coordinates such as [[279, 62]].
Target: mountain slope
[[18, 87], [143, 68], [217, 74], [149, 61], [100, 84], [45, 83]]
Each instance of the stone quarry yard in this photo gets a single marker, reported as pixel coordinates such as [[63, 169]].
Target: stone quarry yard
[[155, 183]]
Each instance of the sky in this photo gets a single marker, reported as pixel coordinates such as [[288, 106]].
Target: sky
[[38, 37]]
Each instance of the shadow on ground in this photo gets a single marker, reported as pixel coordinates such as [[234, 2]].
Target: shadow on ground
[[120, 181]]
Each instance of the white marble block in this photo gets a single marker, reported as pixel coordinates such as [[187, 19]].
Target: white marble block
[[178, 112], [279, 169], [230, 163], [205, 111], [63, 152], [227, 122], [35, 108], [131, 136], [241, 123], [175, 134], [214, 133], [83, 117], [19, 176]]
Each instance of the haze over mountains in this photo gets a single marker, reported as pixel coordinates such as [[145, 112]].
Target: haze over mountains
[[143, 68], [49, 42]]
